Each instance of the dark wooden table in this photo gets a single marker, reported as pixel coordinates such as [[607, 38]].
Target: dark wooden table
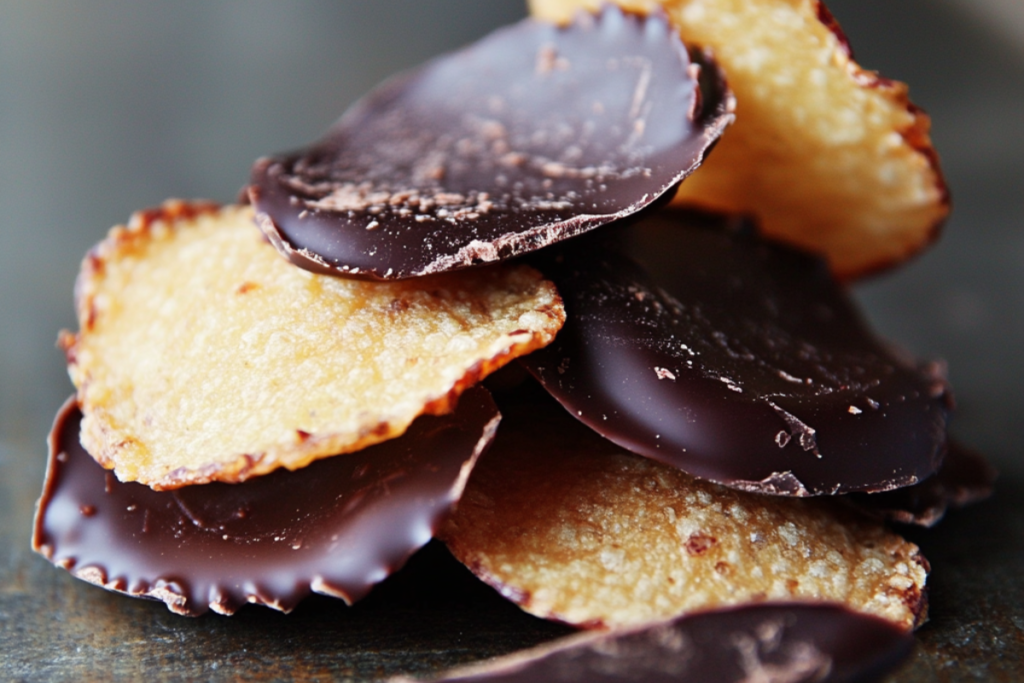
[[433, 614]]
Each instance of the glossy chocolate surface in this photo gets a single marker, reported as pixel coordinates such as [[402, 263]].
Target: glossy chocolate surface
[[738, 361], [794, 643], [336, 527], [532, 135], [965, 477]]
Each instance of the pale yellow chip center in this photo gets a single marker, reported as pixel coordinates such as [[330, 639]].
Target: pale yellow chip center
[[204, 355]]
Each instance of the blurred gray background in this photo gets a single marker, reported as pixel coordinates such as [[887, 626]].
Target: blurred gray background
[[114, 105]]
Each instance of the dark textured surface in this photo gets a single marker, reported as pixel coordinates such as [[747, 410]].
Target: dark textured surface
[[976, 627], [434, 614], [115, 105]]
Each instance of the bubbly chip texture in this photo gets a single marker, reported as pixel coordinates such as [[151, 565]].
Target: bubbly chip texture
[[572, 528], [826, 155], [204, 356]]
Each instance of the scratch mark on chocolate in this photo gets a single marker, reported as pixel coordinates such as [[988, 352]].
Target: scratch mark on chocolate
[[804, 433], [803, 661], [189, 515], [642, 84], [790, 378]]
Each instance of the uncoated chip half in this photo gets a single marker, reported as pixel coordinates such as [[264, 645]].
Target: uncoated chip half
[[827, 155], [337, 527], [573, 528], [204, 356]]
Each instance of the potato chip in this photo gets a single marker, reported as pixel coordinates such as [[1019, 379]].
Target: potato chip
[[204, 356], [826, 155], [337, 527], [573, 528]]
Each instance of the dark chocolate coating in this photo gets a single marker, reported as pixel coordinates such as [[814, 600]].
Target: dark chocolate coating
[[965, 477], [794, 643], [336, 527], [739, 361], [532, 135]]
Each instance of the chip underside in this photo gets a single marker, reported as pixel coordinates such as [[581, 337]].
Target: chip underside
[[204, 356], [824, 154], [573, 528]]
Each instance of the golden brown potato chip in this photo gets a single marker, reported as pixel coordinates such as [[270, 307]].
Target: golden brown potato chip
[[826, 155], [573, 528], [203, 355]]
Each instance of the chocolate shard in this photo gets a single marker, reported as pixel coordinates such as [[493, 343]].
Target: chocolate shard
[[201, 355], [532, 135], [336, 527], [765, 642], [736, 360], [965, 477]]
